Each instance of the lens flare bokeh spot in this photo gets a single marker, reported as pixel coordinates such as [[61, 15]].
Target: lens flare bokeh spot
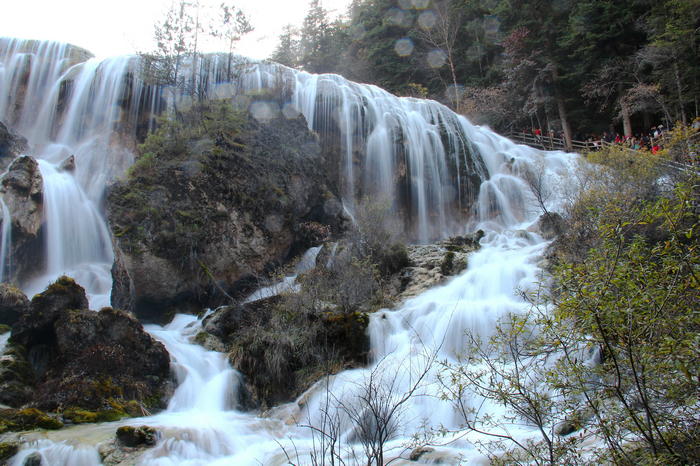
[[436, 58], [403, 47], [427, 19]]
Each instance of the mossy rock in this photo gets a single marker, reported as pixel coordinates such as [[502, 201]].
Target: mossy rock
[[81, 416], [15, 367], [8, 450], [349, 332], [394, 259], [447, 262], [133, 409], [209, 342], [131, 436], [13, 305], [12, 420], [62, 284]]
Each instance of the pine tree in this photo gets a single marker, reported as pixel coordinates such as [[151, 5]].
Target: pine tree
[[288, 52], [233, 24]]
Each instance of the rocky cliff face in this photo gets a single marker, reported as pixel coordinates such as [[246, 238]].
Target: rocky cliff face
[[192, 224], [22, 190], [11, 145]]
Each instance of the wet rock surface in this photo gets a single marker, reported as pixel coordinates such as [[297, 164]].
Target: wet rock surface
[[12, 144], [22, 190], [431, 265], [128, 445]]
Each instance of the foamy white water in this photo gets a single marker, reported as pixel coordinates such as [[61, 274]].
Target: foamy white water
[[201, 425], [3, 341]]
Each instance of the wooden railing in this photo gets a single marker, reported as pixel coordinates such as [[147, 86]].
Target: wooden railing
[[552, 143]]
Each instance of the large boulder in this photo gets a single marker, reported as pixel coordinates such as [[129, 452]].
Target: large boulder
[[95, 366], [22, 189], [214, 214], [12, 144], [281, 350], [37, 326]]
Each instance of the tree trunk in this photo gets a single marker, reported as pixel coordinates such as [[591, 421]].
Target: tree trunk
[[679, 85], [454, 81], [561, 106], [626, 120], [195, 91]]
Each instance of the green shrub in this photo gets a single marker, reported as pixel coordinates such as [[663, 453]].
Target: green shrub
[[394, 259]]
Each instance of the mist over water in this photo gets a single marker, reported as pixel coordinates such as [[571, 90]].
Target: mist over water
[[442, 154]]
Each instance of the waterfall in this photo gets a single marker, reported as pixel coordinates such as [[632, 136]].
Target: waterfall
[[415, 151], [78, 242], [5, 251], [418, 153], [68, 104], [446, 175]]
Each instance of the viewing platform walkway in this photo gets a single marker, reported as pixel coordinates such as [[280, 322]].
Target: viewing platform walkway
[[551, 143], [548, 143]]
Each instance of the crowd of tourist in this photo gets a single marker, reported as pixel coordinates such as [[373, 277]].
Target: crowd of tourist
[[652, 140]]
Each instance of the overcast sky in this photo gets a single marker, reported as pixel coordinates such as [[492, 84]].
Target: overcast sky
[[116, 27]]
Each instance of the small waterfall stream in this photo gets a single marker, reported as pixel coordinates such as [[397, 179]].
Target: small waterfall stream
[[5, 252], [441, 154]]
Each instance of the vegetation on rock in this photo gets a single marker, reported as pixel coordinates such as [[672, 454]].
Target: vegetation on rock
[[26, 419], [13, 304], [219, 196]]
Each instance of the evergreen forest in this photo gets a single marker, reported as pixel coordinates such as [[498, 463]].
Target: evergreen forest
[[560, 65]]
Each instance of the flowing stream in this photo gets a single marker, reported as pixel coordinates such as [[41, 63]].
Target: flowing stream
[[444, 155]]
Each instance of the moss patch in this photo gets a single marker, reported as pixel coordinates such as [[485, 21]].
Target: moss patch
[[81, 416], [446, 266], [8, 450], [12, 420]]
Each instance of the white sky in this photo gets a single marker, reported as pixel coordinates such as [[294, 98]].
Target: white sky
[[116, 27]]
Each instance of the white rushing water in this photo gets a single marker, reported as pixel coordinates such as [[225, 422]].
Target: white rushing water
[[203, 427], [3, 341], [442, 155]]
